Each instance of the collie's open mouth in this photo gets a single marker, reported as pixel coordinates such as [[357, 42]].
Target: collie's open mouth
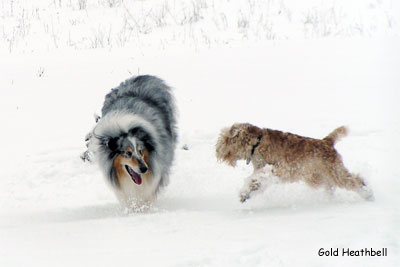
[[135, 177]]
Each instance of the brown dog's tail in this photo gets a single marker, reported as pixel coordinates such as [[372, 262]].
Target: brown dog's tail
[[336, 135]]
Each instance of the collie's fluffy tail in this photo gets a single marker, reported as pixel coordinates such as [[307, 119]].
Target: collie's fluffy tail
[[336, 135]]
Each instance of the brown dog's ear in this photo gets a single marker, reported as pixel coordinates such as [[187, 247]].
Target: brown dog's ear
[[253, 131], [246, 128], [235, 132], [237, 129]]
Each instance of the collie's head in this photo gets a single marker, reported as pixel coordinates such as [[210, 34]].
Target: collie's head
[[125, 147], [131, 154]]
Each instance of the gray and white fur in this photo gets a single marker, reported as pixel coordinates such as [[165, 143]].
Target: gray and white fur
[[143, 109]]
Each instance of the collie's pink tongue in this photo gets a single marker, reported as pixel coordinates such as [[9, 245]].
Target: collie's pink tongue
[[135, 177]]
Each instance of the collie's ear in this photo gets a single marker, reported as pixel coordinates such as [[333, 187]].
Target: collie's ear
[[112, 143], [149, 144]]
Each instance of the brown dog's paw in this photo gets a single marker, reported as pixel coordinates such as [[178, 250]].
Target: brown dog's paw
[[244, 196]]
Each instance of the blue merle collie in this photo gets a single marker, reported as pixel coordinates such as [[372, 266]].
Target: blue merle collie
[[135, 139]]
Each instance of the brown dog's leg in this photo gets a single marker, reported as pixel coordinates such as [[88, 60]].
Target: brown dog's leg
[[349, 181], [253, 185], [257, 182]]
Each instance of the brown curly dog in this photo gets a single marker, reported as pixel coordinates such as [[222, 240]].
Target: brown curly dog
[[290, 158]]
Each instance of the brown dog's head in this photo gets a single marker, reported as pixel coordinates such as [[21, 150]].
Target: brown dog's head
[[236, 143]]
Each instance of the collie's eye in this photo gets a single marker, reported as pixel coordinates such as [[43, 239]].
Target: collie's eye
[[140, 151], [128, 154], [113, 144]]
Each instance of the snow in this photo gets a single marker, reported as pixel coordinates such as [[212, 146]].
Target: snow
[[56, 210]]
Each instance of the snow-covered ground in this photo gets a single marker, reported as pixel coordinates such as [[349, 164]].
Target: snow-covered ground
[[56, 210]]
